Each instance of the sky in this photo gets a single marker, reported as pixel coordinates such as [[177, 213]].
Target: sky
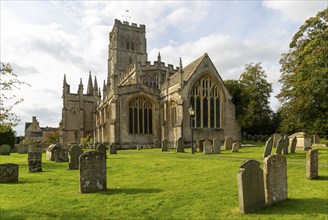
[[43, 40]]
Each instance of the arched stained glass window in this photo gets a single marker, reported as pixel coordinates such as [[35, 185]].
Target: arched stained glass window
[[140, 116], [204, 97]]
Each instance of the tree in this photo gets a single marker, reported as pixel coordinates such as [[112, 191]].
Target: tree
[[257, 114], [303, 97], [8, 81], [8, 137]]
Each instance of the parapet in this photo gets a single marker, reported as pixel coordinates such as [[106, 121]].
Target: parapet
[[126, 23]]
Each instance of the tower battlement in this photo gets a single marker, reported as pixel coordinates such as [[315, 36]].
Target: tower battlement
[[127, 24]]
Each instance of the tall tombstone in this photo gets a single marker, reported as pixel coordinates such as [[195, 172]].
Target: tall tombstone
[[228, 143], [74, 154], [268, 147], [207, 147], [275, 179], [5, 149], [180, 143], [8, 173], [293, 143], [113, 148], [250, 187], [102, 149], [164, 145], [34, 162], [280, 146], [276, 137], [312, 163], [236, 146], [92, 172], [216, 146], [316, 139], [285, 146]]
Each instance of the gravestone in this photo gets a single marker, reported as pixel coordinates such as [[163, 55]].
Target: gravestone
[[157, 144], [34, 162], [316, 139], [303, 140], [250, 187], [50, 152], [235, 147], [164, 145], [92, 172], [5, 149], [22, 149], [312, 163], [201, 145], [207, 147], [8, 173], [113, 148], [228, 143], [180, 143], [216, 146], [268, 147], [74, 154], [102, 149], [285, 146], [293, 142], [60, 155], [275, 179], [280, 146], [276, 137]]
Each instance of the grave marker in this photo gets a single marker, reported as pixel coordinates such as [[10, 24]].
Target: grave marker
[[235, 147], [34, 162], [228, 143], [268, 147], [74, 154], [8, 173], [312, 163]]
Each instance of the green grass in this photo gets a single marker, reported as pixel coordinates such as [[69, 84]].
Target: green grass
[[149, 184]]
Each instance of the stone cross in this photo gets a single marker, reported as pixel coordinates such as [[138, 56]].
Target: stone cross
[[250, 187], [312, 163], [275, 179], [268, 147]]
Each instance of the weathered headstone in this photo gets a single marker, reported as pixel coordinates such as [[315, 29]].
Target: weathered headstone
[[157, 144], [268, 147], [303, 140], [293, 142], [312, 163], [22, 149], [201, 145], [276, 137], [250, 187], [216, 146], [316, 139], [164, 145], [285, 146], [8, 173], [275, 179], [74, 154], [180, 143], [228, 143], [280, 145], [5, 149], [113, 148], [207, 147], [235, 146], [102, 149], [34, 162], [92, 172], [50, 152]]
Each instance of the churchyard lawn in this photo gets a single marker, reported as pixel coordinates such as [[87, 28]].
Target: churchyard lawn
[[149, 184]]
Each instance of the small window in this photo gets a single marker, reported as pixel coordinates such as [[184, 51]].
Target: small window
[[128, 45]]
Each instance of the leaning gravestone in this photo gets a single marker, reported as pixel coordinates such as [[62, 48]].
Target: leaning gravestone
[[180, 143], [102, 149], [268, 147], [276, 137], [228, 143], [285, 146], [92, 172], [8, 173], [280, 146], [34, 162], [216, 146], [164, 145], [5, 149], [235, 147], [250, 187], [275, 179], [293, 143], [312, 163], [207, 147], [74, 154], [113, 148]]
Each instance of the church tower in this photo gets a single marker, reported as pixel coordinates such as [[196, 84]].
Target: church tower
[[127, 46]]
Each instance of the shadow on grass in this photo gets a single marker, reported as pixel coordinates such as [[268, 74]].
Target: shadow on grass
[[129, 191], [321, 178], [297, 206], [20, 215]]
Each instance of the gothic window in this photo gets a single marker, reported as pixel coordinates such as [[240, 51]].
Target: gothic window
[[173, 113], [128, 45], [132, 46], [140, 116], [205, 99]]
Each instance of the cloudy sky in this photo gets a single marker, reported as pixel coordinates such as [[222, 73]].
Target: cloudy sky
[[43, 40]]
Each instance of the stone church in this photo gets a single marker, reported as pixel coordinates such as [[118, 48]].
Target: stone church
[[142, 101]]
